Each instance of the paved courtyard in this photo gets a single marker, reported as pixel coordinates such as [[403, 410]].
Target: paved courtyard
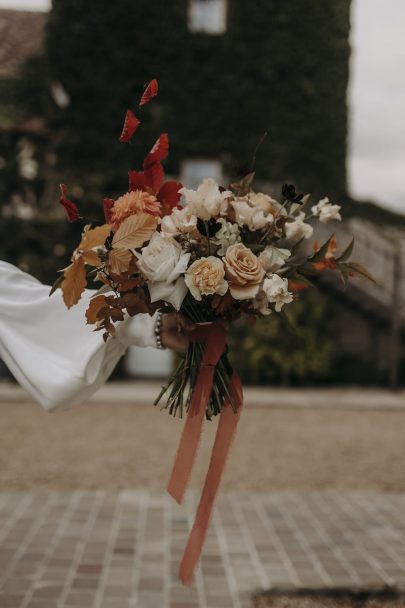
[[115, 550]]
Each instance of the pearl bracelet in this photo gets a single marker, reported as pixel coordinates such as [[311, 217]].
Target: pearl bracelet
[[158, 328]]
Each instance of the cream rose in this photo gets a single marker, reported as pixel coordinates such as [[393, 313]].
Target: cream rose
[[163, 262], [243, 271], [206, 276]]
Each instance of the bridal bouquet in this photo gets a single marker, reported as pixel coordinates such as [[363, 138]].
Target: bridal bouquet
[[213, 254]]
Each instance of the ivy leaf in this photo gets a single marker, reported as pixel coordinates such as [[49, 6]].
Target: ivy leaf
[[96, 304], [74, 282], [131, 123], [150, 92], [134, 231]]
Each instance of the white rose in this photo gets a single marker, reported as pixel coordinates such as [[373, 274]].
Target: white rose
[[276, 290], [248, 215], [207, 201], [226, 236], [273, 258], [326, 211], [163, 262], [180, 221], [298, 229]]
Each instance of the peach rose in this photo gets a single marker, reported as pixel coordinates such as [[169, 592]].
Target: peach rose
[[206, 276], [132, 203], [243, 271]]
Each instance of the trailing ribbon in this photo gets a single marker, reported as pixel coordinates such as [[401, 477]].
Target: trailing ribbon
[[215, 342]]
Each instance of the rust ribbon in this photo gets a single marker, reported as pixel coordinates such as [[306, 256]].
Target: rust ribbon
[[215, 342]]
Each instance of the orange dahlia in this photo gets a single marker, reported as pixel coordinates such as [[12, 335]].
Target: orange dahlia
[[132, 203]]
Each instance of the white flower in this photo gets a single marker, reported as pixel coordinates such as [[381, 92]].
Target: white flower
[[276, 290], [264, 201], [163, 262], [298, 229], [326, 211], [180, 221], [226, 236], [273, 258], [247, 214], [261, 303], [207, 201]]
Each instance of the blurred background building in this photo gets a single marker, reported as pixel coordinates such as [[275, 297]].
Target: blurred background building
[[229, 71]]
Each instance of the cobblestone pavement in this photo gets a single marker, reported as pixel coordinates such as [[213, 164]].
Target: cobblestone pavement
[[115, 550]]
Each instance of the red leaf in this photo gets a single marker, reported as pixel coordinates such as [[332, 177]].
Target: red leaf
[[70, 208], [108, 204], [169, 194], [155, 176], [159, 151], [150, 92], [137, 180], [131, 123]]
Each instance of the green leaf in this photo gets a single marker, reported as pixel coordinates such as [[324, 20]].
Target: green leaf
[[347, 252], [57, 284], [360, 270], [320, 254]]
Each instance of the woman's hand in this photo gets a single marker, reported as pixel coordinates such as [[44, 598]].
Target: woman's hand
[[175, 331]]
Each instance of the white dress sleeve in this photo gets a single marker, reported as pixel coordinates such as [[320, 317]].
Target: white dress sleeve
[[50, 350]]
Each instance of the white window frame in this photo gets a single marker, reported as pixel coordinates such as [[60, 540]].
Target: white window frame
[[207, 16]]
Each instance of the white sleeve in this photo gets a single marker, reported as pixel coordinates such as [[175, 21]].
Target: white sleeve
[[50, 350]]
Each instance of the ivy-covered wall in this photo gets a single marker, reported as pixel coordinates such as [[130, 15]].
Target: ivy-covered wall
[[280, 67]]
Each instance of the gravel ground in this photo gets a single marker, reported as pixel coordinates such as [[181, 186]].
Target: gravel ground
[[121, 445]]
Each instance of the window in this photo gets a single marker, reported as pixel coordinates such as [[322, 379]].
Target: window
[[194, 171], [207, 16]]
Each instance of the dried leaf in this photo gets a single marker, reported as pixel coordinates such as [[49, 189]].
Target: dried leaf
[[159, 151], [57, 284], [74, 283], [94, 237], [150, 92], [108, 204], [118, 260], [71, 209], [95, 305], [134, 231], [91, 258], [131, 123]]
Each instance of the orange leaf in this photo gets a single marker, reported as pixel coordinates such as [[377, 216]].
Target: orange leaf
[[91, 258], [74, 283], [94, 237], [134, 231], [96, 304], [119, 260], [150, 92]]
